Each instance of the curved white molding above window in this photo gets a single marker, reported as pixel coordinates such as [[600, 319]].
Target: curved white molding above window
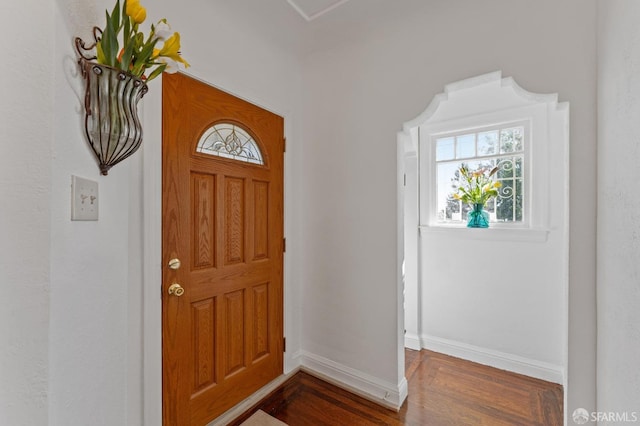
[[464, 99], [491, 101]]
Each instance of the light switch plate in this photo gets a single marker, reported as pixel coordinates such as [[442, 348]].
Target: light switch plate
[[84, 199]]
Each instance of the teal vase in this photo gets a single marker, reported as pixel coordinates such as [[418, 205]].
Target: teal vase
[[478, 217]]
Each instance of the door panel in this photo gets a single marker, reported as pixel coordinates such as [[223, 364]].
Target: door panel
[[223, 218], [203, 332], [204, 220], [260, 220], [234, 220]]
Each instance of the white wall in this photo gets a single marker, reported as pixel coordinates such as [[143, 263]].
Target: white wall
[[618, 206], [360, 91], [26, 123], [91, 269]]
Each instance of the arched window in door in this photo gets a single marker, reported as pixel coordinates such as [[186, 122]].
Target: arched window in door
[[229, 140]]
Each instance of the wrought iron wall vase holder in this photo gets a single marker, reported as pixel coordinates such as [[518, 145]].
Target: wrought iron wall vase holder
[[112, 125]]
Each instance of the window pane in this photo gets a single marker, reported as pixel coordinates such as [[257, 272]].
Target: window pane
[[453, 210], [444, 149], [447, 205], [487, 164], [504, 201], [511, 140], [490, 208], [519, 167], [487, 143], [466, 146], [505, 169], [519, 198], [466, 208]]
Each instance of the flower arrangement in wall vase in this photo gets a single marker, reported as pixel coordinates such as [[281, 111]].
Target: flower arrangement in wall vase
[[476, 188], [117, 67]]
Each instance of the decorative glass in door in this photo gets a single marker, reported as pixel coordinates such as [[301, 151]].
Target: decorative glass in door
[[230, 141]]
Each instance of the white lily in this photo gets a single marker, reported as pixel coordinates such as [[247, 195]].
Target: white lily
[[172, 66], [163, 30]]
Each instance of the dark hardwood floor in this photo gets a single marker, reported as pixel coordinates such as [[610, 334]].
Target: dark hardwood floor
[[442, 391]]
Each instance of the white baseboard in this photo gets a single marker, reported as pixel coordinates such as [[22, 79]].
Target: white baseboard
[[292, 361], [362, 384], [503, 361], [412, 341]]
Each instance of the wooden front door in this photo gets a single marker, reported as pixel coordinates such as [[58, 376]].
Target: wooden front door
[[222, 248]]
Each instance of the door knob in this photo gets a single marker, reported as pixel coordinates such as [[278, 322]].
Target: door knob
[[176, 290], [174, 264]]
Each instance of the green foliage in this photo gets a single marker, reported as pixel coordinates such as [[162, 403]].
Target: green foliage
[[476, 187], [109, 41]]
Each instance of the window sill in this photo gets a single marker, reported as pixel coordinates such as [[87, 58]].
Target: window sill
[[488, 234]]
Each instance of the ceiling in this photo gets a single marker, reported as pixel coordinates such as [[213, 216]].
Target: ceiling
[[312, 9]]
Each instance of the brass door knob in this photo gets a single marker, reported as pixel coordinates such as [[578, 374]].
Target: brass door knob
[[176, 290]]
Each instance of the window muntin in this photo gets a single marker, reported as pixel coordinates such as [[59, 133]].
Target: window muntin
[[503, 146], [229, 140]]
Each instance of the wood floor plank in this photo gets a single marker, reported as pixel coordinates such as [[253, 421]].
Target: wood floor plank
[[443, 391]]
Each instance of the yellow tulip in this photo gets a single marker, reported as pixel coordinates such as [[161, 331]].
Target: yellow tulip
[[136, 11], [171, 49]]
